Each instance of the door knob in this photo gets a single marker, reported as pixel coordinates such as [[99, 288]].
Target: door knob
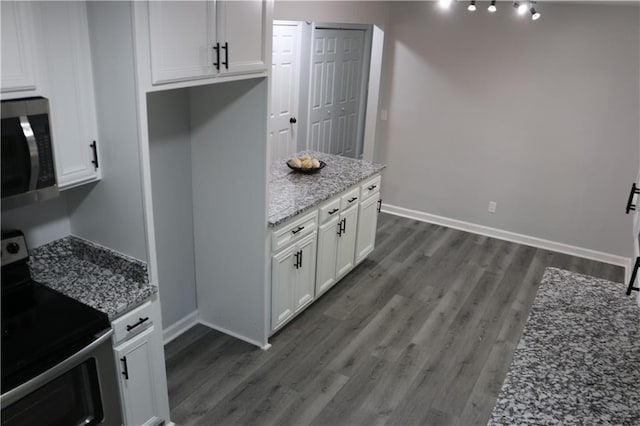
[[293, 120]]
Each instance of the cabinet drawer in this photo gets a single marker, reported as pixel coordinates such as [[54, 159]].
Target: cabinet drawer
[[370, 187], [132, 323], [329, 210], [350, 198], [294, 231]]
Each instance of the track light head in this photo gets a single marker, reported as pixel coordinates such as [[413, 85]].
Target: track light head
[[472, 6], [521, 7], [492, 7], [445, 4], [535, 15]]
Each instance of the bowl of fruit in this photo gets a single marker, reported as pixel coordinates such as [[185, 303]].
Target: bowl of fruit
[[305, 164]]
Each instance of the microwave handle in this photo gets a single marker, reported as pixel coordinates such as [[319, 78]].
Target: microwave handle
[[26, 388], [27, 131]]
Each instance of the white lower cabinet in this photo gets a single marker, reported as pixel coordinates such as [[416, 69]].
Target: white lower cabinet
[[327, 250], [139, 354], [345, 260], [345, 236], [292, 280], [367, 225]]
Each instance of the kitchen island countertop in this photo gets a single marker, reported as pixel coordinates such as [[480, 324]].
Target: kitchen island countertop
[[291, 193], [94, 275]]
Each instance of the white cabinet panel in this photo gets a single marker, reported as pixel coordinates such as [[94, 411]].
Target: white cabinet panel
[[306, 272], [367, 225], [327, 249], [347, 242], [71, 96], [293, 280], [137, 379], [282, 286], [181, 40], [17, 47], [241, 28]]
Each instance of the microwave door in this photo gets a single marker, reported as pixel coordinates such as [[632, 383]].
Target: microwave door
[[16, 159]]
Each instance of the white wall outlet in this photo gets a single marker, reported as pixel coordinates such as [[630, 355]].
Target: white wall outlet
[[492, 206], [384, 115]]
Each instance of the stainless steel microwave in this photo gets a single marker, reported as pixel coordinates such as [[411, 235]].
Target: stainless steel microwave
[[28, 166]]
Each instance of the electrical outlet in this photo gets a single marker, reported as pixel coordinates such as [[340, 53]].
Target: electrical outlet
[[384, 115], [492, 206]]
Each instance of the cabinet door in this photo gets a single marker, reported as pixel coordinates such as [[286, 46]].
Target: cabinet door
[[282, 286], [18, 58], [137, 379], [367, 225], [347, 242], [71, 97], [182, 37], [305, 272], [327, 249], [241, 25]]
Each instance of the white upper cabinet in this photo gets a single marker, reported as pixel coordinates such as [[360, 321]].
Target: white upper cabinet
[[17, 44], [241, 29], [181, 38], [70, 91], [192, 40]]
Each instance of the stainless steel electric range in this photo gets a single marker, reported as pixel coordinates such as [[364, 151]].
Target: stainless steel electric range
[[58, 367]]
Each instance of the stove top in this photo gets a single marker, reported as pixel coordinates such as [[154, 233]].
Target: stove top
[[40, 326]]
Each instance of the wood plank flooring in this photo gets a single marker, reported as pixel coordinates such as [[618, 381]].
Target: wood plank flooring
[[421, 333]]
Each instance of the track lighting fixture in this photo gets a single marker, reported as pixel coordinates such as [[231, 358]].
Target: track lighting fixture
[[522, 8], [534, 14]]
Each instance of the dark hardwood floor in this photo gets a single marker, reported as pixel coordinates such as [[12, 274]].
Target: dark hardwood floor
[[421, 333]]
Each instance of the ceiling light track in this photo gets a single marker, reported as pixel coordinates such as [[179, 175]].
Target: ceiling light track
[[522, 7]]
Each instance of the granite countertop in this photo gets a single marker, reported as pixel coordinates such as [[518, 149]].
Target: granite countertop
[[94, 275], [291, 193]]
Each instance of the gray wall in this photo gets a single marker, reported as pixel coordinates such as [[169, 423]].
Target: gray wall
[[541, 117], [110, 212], [170, 158], [349, 12], [41, 222]]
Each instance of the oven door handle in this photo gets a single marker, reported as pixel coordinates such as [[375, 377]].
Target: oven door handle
[[26, 388], [34, 155]]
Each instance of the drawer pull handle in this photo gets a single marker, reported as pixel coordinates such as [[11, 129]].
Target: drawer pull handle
[[334, 211], [372, 187], [633, 277], [295, 231], [139, 323], [353, 199], [125, 373], [634, 190], [379, 205]]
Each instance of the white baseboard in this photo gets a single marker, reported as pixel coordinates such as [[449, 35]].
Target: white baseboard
[[511, 236], [179, 327], [236, 335]]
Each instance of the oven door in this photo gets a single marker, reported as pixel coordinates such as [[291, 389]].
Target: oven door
[[81, 390]]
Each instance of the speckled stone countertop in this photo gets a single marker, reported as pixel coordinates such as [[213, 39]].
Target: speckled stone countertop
[[101, 278], [578, 361], [291, 193]]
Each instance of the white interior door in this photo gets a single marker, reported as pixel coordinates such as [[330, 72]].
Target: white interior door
[[284, 89], [335, 98]]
